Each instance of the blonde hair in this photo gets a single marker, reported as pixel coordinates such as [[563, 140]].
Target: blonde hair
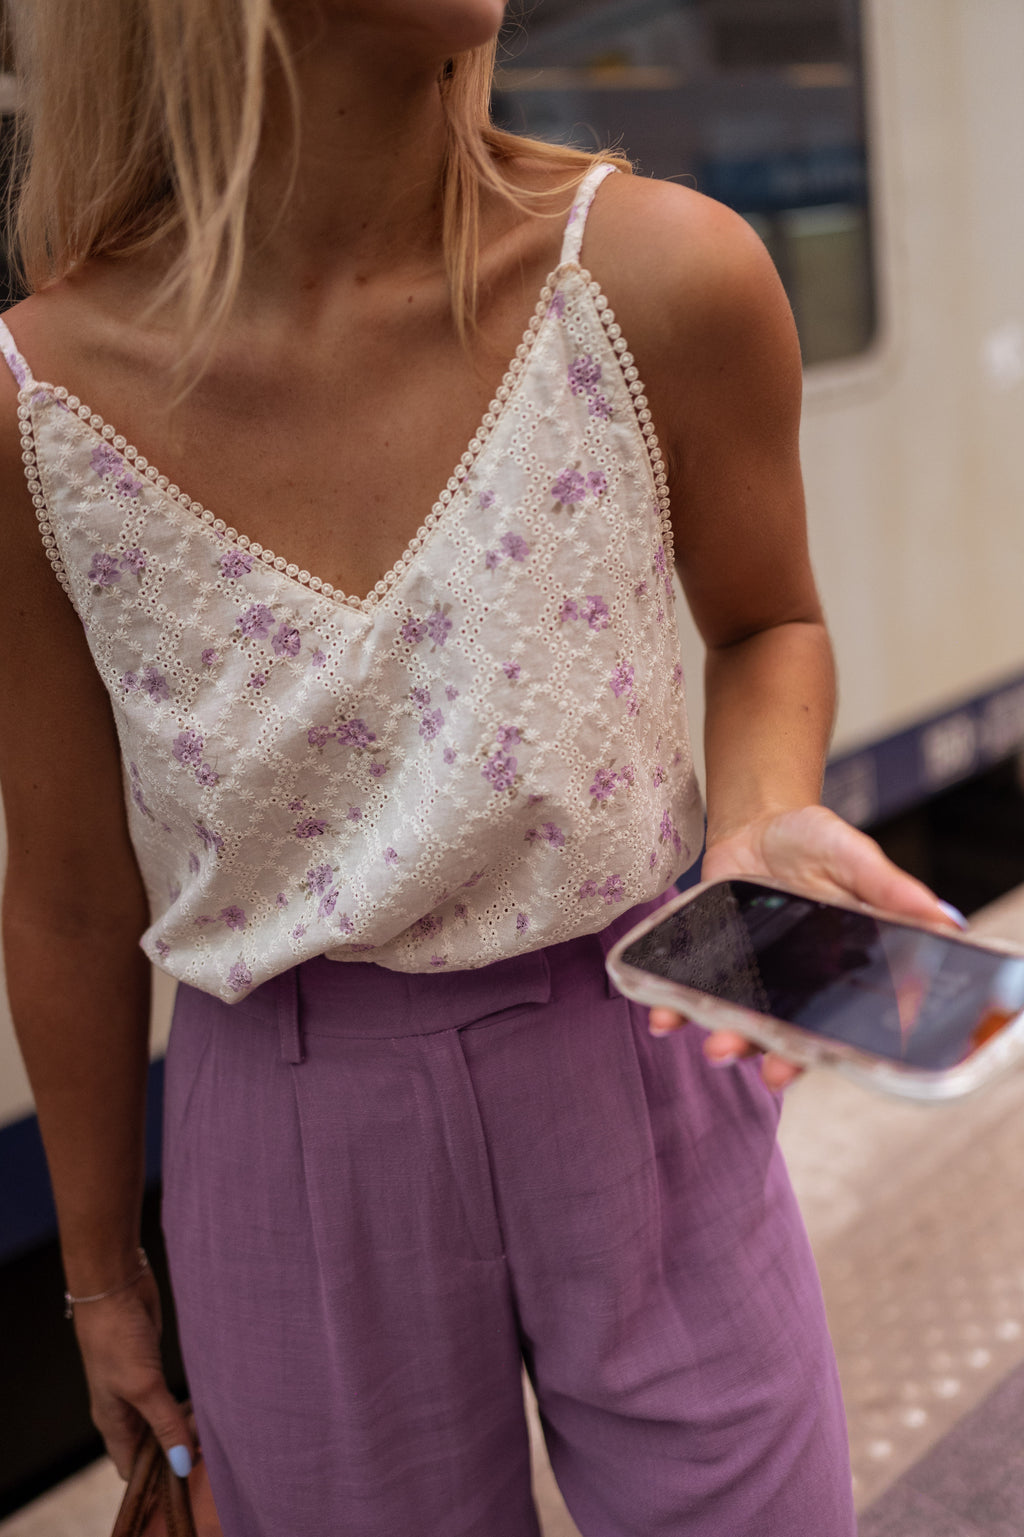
[[138, 124]]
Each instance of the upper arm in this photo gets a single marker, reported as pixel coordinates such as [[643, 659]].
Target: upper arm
[[69, 854], [707, 319]]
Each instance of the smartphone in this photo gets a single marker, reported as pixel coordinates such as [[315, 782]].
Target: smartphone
[[907, 1009]]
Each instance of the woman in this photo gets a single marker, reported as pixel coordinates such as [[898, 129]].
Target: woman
[[384, 842]]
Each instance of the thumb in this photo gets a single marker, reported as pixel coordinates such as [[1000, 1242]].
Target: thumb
[[170, 1427]]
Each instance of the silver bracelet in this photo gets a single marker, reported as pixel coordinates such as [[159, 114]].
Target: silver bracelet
[[71, 1302]]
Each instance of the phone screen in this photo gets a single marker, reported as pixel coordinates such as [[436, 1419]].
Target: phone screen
[[884, 987]]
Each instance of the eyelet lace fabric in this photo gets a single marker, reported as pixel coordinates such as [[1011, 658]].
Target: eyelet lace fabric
[[485, 755]]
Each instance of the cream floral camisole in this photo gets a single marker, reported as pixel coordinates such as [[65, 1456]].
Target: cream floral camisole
[[485, 755]]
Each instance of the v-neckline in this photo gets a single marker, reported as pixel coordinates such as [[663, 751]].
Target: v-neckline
[[107, 434]]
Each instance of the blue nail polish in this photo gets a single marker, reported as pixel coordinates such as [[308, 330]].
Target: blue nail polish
[[180, 1459], [954, 913]]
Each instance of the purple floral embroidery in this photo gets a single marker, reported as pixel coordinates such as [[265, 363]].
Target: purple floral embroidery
[[557, 305], [210, 839], [450, 755], [413, 630], [460, 910], [569, 610], [256, 621], [438, 960], [431, 724], [429, 924], [107, 461], [210, 656], [162, 949], [139, 799], [318, 658], [595, 612], [640, 590], [508, 736], [477, 875], [328, 902], [354, 814], [420, 697], [286, 641], [614, 889], [354, 733], [234, 917], [588, 889], [239, 977], [660, 560], [316, 736], [297, 804], [345, 924], [280, 900], [318, 878], [511, 671], [492, 560], [486, 499], [154, 684], [193, 863], [235, 564], [188, 749], [548, 832], [257, 680], [206, 776], [599, 406], [17, 367], [569, 489], [659, 776], [667, 832], [390, 857], [514, 546], [310, 827], [451, 692], [653, 859], [584, 375], [605, 780], [104, 570], [438, 626], [621, 680], [129, 682], [522, 923], [677, 674], [134, 561], [500, 770], [378, 770], [627, 773], [597, 482], [298, 932]]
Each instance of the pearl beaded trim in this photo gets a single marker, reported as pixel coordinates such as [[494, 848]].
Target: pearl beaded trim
[[475, 447]]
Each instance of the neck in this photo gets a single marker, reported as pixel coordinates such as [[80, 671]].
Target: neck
[[364, 190]]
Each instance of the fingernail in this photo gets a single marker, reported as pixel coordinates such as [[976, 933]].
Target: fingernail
[[726, 1061], [659, 1030], [180, 1459], [954, 913]]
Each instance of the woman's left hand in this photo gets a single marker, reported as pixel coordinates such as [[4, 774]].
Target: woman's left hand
[[815, 852]]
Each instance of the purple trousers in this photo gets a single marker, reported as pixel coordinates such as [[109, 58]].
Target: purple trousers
[[385, 1192]]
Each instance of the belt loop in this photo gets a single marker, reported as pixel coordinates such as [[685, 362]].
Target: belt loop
[[289, 1029]]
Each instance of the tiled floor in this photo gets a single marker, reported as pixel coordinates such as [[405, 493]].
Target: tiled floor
[[914, 1218]]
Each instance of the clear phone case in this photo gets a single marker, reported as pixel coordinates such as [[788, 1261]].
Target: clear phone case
[[994, 1058]]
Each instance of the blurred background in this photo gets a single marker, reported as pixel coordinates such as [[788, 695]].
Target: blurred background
[[876, 147]]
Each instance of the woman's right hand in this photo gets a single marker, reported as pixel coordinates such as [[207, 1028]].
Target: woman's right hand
[[119, 1338]]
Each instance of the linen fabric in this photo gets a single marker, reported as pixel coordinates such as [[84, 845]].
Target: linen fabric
[[383, 1191], [485, 755]]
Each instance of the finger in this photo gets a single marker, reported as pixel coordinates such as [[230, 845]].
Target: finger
[[662, 1021], [725, 1046], [166, 1417], [778, 1073], [856, 862]]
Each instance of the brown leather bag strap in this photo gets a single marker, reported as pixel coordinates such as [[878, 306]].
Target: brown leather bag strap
[[156, 1500]]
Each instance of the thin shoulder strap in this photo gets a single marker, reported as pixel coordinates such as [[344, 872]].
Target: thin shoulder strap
[[577, 220], [13, 358]]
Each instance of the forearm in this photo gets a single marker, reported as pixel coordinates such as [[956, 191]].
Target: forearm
[[770, 701], [80, 1000]]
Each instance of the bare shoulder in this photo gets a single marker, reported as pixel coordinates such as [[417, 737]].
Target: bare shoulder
[[681, 261]]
